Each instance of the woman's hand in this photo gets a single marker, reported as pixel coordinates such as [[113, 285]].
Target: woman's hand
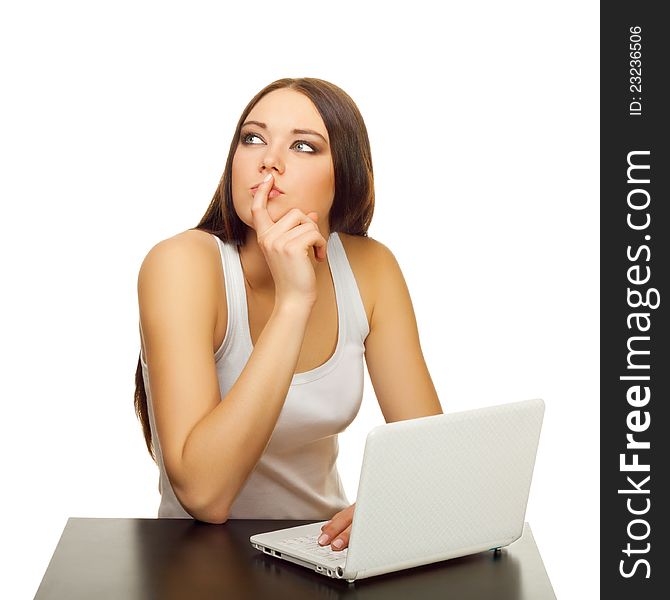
[[338, 529], [286, 245]]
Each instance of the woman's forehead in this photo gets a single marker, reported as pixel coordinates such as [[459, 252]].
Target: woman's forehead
[[287, 109]]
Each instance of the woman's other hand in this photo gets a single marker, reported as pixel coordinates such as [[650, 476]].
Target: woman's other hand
[[338, 529]]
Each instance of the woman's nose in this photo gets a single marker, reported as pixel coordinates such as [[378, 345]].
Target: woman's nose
[[272, 160]]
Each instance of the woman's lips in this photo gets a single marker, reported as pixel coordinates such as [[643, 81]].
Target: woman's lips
[[274, 192]]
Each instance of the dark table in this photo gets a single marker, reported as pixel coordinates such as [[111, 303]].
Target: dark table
[[128, 559]]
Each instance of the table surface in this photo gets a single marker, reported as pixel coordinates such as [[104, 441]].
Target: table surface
[[182, 558]]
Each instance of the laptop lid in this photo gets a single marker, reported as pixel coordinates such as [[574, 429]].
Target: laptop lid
[[439, 487]]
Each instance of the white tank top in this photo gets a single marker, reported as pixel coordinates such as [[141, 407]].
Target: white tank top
[[296, 477]]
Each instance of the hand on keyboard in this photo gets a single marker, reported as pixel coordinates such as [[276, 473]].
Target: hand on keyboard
[[308, 543], [338, 529]]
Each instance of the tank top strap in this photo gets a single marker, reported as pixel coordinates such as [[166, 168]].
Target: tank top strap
[[235, 295], [348, 295]]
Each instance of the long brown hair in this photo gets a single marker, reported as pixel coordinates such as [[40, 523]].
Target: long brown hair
[[353, 203]]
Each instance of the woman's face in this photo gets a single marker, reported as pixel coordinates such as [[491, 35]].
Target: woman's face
[[301, 163]]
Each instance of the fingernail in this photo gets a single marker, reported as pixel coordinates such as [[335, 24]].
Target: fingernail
[[267, 177], [324, 539], [338, 543]]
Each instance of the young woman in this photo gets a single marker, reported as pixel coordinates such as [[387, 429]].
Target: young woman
[[254, 324]]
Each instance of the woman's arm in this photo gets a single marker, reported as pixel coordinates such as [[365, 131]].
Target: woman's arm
[[396, 365], [210, 445]]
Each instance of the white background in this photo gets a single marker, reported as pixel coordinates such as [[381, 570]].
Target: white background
[[115, 123]]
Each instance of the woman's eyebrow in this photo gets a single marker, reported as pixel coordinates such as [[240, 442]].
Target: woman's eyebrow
[[300, 131]]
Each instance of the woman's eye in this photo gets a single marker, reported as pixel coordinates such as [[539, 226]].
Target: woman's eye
[[311, 148], [248, 136]]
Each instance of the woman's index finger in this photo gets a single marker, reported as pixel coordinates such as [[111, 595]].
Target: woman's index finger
[[259, 206]]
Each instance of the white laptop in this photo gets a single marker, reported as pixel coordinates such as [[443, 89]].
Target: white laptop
[[430, 489]]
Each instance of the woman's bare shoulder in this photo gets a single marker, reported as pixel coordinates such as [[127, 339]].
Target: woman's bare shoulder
[[190, 257], [365, 251], [192, 245]]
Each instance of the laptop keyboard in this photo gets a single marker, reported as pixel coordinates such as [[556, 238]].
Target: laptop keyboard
[[308, 544]]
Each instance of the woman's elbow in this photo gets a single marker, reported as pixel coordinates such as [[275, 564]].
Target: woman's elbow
[[212, 518], [203, 509]]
